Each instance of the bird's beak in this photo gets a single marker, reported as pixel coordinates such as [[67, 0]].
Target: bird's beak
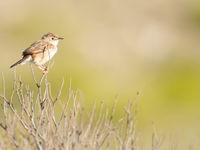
[[60, 38]]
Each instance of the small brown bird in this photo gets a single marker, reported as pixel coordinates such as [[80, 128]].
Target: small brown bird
[[40, 51]]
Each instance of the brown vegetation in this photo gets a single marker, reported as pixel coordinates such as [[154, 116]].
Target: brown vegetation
[[32, 122]]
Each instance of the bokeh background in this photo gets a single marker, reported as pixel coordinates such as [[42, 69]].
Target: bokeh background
[[114, 47]]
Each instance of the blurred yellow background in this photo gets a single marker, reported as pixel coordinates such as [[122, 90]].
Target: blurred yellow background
[[114, 47]]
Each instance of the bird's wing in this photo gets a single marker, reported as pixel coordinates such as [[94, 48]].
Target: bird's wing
[[35, 48]]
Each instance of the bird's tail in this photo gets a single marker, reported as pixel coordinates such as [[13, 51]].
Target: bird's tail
[[21, 61]]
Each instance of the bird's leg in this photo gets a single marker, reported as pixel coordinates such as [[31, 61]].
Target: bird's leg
[[43, 68], [45, 71]]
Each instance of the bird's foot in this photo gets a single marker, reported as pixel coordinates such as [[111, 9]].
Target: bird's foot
[[45, 70]]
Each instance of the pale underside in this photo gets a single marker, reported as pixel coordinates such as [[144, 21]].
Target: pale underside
[[42, 58]]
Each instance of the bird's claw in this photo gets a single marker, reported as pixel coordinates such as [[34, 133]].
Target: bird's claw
[[45, 71]]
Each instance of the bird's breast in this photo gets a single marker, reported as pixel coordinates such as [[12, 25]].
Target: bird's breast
[[42, 58], [52, 52]]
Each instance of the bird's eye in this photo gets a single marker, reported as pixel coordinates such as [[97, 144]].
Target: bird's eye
[[52, 38]]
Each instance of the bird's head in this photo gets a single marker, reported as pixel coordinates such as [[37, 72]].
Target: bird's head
[[52, 38]]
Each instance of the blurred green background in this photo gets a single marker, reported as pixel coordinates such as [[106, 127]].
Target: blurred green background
[[114, 47]]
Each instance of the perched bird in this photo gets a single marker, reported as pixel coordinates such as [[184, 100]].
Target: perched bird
[[40, 52]]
